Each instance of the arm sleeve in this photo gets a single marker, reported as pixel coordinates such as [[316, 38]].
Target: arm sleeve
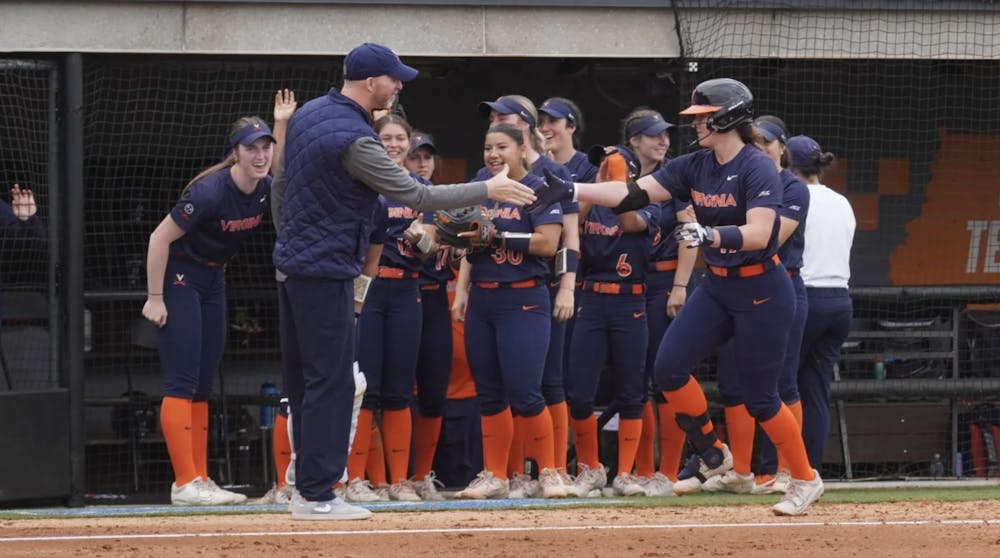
[[367, 161]]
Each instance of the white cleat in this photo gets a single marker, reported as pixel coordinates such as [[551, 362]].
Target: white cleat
[[657, 485], [552, 483], [523, 486], [799, 496], [588, 481], [427, 488], [232, 498], [627, 484], [730, 481], [690, 481], [484, 486], [197, 493], [403, 491], [360, 491]]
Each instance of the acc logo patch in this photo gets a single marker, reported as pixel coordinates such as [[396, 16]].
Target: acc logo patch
[[189, 208]]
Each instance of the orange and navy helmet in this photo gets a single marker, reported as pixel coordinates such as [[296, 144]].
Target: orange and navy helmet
[[728, 103]]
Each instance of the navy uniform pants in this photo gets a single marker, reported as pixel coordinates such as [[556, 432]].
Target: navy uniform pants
[[434, 362], [389, 342], [316, 318], [828, 324]]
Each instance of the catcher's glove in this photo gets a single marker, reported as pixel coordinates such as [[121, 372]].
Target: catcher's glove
[[466, 227]]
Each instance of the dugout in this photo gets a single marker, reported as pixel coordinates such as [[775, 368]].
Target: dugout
[[902, 92]]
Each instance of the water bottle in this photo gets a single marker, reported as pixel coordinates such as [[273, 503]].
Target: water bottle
[[267, 411], [878, 369], [958, 464]]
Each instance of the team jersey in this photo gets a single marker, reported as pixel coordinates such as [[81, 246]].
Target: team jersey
[[396, 250], [511, 265], [217, 217], [437, 268], [612, 255], [794, 207], [580, 169], [722, 194], [664, 246]]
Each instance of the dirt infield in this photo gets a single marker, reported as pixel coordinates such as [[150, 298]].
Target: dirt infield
[[906, 529]]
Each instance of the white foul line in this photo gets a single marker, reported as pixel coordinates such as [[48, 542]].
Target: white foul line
[[442, 530]]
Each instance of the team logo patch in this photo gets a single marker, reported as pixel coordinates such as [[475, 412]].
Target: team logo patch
[[179, 280], [189, 208]]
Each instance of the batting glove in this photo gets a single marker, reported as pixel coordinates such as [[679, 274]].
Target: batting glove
[[555, 190], [694, 234]]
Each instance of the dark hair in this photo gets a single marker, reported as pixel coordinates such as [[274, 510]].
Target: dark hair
[[392, 118], [819, 162], [638, 113], [514, 133], [230, 158], [577, 119], [749, 134]]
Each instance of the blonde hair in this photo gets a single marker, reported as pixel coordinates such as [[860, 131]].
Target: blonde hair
[[230, 159], [536, 137]]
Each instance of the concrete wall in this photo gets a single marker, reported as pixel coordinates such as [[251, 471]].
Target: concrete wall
[[437, 30]]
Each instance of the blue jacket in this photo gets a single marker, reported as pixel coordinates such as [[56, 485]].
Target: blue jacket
[[327, 217]]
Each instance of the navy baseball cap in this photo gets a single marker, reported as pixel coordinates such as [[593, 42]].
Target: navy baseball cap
[[558, 109], [506, 105], [770, 129], [373, 60], [803, 151], [649, 125], [422, 139], [597, 153], [251, 133]]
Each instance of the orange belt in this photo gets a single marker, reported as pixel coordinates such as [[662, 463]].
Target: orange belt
[[515, 285], [665, 265], [751, 270], [614, 288], [431, 287], [396, 273]]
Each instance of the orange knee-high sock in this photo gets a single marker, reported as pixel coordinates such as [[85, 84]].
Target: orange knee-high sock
[[281, 447], [175, 421], [585, 440], [671, 441], [796, 409], [644, 454], [375, 464], [426, 432], [560, 433], [690, 400], [740, 428], [199, 437], [515, 457], [397, 433], [786, 434], [358, 457], [498, 431], [629, 432], [538, 439]]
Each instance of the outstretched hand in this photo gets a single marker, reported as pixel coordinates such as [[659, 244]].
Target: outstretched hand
[[284, 105], [502, 188], [555, 190], [22, 202]]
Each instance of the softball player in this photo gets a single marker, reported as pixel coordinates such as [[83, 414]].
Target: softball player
[[521, 112], [185, 279], [611, 322], [422, 159], [561, 124], [389, 333], [739, 424], [507, 326], [747, 296], [646, 133], [826, 270]]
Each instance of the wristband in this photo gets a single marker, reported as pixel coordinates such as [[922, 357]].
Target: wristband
[[361, 285], [730, 237], [679, 285], [572, 260], [515, 241]]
